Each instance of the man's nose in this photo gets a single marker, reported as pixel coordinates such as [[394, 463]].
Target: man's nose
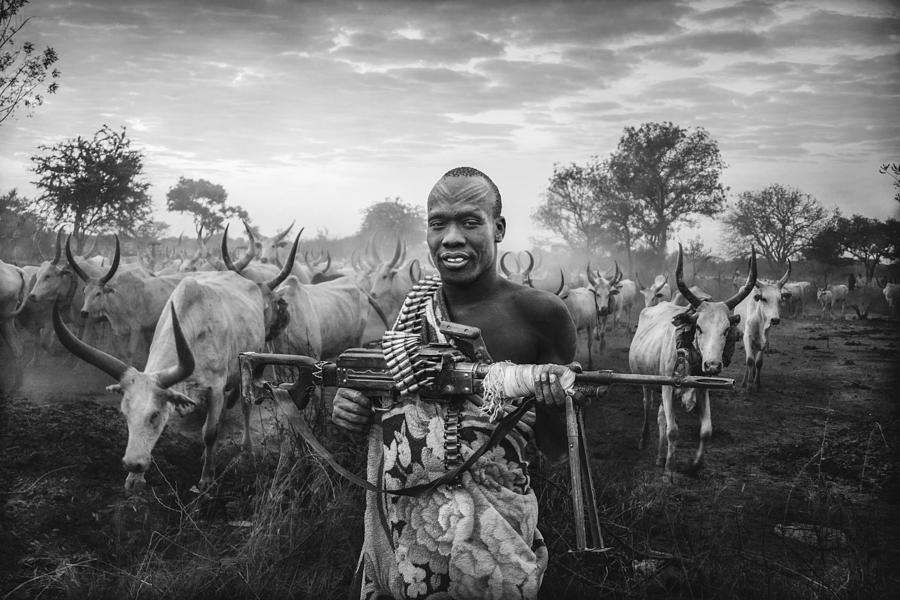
[[453, 236]]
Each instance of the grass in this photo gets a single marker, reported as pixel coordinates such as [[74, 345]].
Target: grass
[[282, 525]]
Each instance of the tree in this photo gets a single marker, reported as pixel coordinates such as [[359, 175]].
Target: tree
[[206, 202], [868, 240], [892, 169], [96, 185], [780, 221], [18, 227], [672, 175], [393, 219], [696, 254], [23, 71], [571, 209]]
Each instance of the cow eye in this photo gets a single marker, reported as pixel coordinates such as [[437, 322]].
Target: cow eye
[[154, 418], [699, 330]]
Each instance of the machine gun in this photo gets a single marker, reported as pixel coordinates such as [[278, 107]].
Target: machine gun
[[441, 373]]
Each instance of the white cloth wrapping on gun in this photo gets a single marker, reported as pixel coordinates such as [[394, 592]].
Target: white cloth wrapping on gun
[[507, 381]]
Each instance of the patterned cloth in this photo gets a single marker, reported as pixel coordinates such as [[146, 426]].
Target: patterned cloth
[[474, 540]]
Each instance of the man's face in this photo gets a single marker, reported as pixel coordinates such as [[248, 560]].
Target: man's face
[[462, 231]]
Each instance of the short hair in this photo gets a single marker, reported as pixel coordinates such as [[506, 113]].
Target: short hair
[[473, 172]]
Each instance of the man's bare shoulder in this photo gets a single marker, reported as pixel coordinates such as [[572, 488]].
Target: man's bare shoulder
[[538, 304]]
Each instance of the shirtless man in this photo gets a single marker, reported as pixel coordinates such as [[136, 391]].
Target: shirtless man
[[478, 538]]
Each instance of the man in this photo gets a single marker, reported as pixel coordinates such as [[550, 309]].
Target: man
[[476, 538]]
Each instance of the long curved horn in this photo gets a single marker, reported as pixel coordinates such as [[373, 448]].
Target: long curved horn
[[115, 263], [503, 268], [78, 270], [328, 263], [57, 251], [184, 368], [396, 258], [661, 285], [682, 287], [226, 256], [530, 266], [784, 278], [372, 249], [402, 254], [590, 275], [278, 236], [637, 280], [354, 260], [110, 365], [751, 281], [251, 247], [562, 282], [288, 264], [618, 276]]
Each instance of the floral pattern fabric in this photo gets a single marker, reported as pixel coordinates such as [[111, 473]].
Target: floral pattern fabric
[[476, 539]]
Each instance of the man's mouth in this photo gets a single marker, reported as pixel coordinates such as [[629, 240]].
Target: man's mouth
[[455, 260]]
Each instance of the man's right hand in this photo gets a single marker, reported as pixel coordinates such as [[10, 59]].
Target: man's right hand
[[351, 410]]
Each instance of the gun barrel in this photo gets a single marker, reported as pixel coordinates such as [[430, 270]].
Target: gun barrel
[[610, 378]]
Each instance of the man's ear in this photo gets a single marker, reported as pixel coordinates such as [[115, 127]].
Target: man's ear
[[499, 229]]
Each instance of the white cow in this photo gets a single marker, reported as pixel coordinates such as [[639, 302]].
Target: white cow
[[622, 302], [218, 316], [798, 292], [831, 295], [604, 289], [584, 307], [891, 293], [12, 299], [657, 292], [759, 311], [653, 352]]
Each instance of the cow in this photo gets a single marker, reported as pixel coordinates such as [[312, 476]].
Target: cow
[[655, 293], [797, 293], [654, 351], [208, 322], [831, 295], [891, 293], [584, 306], [390, 282], [324, 319], [622, 302], [12, 299], [759, 311], [603, 289], [271, 250]]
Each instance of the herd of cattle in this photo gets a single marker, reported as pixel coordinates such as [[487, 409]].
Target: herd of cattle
[[185, 323]]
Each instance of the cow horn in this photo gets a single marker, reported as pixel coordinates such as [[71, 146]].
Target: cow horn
[[751, 281], [618, 275], [637, 280], [396, 258], [78, 270], [328, 261], [590, 275], [661, 285], [184, 368], [354, 260], [415, 270], [251, 247], [115, 263], [57, 251], [288, 264], [679, 274], [431, 261], [278, 236], [110, 365], [530, 266], [403, 255], [562, 282], [226, 256], [784, 278], [372, 249], [503, 264]]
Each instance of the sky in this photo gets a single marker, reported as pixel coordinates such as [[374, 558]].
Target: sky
[[315, 110]]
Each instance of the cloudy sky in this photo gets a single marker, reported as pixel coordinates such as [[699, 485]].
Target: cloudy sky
[[314, 110]]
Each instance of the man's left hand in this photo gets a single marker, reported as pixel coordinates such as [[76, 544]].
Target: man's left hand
[[550, 382]]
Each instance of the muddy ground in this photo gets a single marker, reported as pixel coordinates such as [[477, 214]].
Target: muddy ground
[[799, 496]]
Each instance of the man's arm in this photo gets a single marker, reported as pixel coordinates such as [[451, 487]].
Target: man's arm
[[556, 341]]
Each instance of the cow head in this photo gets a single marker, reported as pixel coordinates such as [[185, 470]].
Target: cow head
[[147, 400], [656, 292], [272, 249], [767, 298], [385, 283], [603, 288], [712, 320], [53, 279], [95, 288], [520, 276]]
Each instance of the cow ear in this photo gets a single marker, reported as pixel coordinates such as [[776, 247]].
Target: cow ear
[[182, 403], [114, 388], [734, 319], [613, 292]]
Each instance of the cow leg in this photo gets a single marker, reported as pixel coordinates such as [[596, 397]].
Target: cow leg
[[757, 370], [746, 379], [666, 419], [705, 431], [645, 426], [216, 400], [590, 343]]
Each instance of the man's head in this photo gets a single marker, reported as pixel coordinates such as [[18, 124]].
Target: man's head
[[465, 225]]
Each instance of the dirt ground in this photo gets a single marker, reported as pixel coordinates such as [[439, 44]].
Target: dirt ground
[[801, 484]]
